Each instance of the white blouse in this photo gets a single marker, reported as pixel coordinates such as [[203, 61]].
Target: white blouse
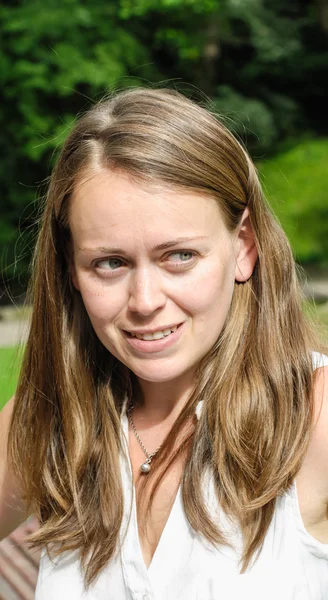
[[292, 565]]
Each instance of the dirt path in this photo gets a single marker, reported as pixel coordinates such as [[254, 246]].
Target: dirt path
[[13, 332], [317, 289]]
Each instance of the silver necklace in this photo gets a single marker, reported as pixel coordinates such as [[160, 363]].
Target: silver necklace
[[145, 467]]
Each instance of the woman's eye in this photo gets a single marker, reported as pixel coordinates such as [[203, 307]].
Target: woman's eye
[[184, 256], [180, 261], [110, 264], [176, 259]]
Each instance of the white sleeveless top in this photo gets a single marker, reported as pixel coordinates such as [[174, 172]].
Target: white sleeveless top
[[292, 565]]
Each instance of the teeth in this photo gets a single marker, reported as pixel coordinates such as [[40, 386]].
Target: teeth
[[147, 336], [157, 335]]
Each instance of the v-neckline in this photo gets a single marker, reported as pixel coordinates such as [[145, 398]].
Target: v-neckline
[[133, 507], [165, 532]]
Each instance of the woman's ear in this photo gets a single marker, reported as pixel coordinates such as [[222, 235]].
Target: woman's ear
[[247, 252]]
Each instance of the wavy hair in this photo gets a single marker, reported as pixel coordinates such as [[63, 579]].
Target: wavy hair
[[256, 382]]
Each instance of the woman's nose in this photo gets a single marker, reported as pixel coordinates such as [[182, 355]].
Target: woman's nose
[[146, 292]]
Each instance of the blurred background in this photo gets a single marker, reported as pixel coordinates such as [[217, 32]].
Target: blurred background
[[262, 63]]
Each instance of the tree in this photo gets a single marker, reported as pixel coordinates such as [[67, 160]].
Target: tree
[[263, 65]]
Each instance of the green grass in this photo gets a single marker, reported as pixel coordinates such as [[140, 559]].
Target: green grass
[[9, 369]]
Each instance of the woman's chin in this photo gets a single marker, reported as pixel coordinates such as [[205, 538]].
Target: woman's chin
[[158, 374]]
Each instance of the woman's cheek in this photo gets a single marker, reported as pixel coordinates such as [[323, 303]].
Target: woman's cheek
[[100, 302]]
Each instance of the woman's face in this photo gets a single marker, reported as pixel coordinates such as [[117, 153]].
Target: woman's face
[[155, 269]]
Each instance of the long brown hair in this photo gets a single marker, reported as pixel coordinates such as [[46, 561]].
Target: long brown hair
[[256, 383]]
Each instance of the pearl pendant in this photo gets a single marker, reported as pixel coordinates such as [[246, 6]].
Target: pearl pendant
[[145, 468]]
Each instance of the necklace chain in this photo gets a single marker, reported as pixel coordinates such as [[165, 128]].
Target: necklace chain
[[145, 467]]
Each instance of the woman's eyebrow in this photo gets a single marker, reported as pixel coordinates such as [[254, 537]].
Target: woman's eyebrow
[[164, 246]]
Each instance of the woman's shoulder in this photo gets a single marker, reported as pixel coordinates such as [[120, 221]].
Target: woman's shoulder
[[320, 429], [312, 480], [320, 391], [12, 507]]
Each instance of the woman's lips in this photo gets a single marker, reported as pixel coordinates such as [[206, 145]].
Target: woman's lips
[[148, 346]]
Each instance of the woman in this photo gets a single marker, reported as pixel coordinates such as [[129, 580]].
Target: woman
[[170, 400]]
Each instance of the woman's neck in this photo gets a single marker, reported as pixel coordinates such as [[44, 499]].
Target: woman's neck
[[161, 401]]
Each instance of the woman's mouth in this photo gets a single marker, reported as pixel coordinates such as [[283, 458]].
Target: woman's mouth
[[154, 341], [156, 335]]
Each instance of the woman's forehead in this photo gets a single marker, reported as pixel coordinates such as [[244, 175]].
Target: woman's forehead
[[115, 202]]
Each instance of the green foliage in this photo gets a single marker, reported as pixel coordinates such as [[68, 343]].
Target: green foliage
[[262, 64], [133, 8], [248, 118], [297, 188], [56, 59]]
